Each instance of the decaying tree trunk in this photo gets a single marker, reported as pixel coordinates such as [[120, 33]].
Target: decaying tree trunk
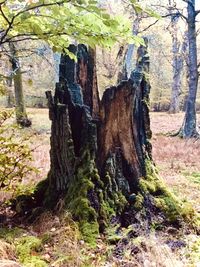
[[101, 165]]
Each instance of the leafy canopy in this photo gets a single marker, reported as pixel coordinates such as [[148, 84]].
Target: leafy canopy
[[60, 22]]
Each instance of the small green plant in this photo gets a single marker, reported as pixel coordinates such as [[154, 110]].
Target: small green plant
[[28, 249], [15, 154], [9, 235]]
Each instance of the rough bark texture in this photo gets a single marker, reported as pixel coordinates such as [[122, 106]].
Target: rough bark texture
[[189, 128], [21, 116], [97, 147], [101, 168], [87, 78]]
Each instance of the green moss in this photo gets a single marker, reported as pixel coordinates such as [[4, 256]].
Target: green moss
[[139, 202], [78, 203], [113, 239], [194, 250], [82, 209], [35, 261], [188, 212], [113, 235], [26, 247], [9, 235], [46, 238], [89, 231], [119, 202], [106, 211], [148, 186], [96, 178], [86, 186], [173, 208]]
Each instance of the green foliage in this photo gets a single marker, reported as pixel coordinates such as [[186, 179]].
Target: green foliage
[[140, 9], [9, 235], [26, 247], [56, 22], [15, 155]]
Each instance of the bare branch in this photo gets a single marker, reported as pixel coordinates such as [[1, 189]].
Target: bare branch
[[197, 12], [3, 15]]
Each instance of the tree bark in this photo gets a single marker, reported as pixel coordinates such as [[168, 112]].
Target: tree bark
[[101, 163], [189, 127], [178, 52], [96, 158], [20, 110]]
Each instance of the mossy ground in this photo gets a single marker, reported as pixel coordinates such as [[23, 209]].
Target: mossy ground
[[27, 248], [174, 209], [51, 241]]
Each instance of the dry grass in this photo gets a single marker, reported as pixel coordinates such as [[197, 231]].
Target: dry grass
[[176, 158], [40, 142], [6, 251], [61, 238], [148, 252]]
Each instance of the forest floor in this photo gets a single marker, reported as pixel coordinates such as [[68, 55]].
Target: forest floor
[[54, 241]]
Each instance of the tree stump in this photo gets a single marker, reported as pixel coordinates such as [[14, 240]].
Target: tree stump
[[101, 163]]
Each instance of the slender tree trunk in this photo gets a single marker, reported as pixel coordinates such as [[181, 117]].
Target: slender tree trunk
[[189, 128], [10, 99], [21, 116], [178, 51]]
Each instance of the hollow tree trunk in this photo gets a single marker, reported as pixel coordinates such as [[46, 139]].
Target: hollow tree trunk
[[189, 127], [20, 110], [101, 166], [98, 150]]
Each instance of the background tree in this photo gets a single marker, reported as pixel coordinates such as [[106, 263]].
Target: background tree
[[189, 127], [21, 116], [179, 49]]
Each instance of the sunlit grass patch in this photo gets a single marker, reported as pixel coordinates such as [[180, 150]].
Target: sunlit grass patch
[[193, 177]]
